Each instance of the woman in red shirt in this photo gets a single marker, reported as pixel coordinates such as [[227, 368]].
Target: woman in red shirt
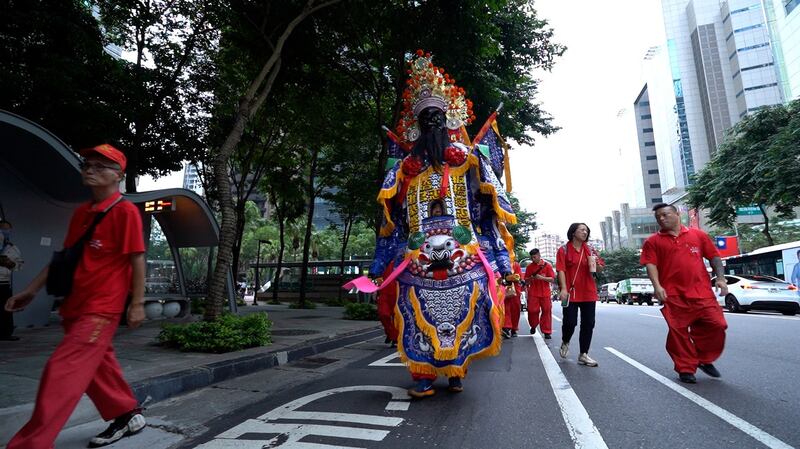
[[576, 283]]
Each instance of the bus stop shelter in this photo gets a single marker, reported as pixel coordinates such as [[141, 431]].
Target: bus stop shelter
[[40, 186]]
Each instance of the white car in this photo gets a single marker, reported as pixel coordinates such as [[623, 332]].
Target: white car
[[608, 292], [755, 292]]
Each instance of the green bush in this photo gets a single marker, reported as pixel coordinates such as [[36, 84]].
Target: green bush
[[198, 305], [228, 333], [306, 305], [336, 302], [360, 311]]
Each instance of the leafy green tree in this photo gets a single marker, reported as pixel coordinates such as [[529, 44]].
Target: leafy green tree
[[56, 73], [751, 236], [756, 164], [620, 264], [526, 224]]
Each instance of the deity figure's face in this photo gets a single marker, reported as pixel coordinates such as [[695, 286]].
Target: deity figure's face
[[433, 137]]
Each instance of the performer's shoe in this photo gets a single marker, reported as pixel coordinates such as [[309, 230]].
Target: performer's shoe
[[584, 359], [506, 333], [547, 336], [394, 344], [454, 385], [423, 389], [387, 340], [533, 331], [126, 425], [687, 378], [709, 369], [564, 350], [513, 333]]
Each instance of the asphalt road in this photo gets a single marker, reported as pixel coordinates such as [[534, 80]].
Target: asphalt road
[[527, 397]]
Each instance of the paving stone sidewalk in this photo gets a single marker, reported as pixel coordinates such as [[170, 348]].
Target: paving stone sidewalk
[[157, 373]]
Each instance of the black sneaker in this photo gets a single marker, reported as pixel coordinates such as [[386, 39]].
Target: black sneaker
[[387, 341], [709, 369], [126, 425], [687, 378], [547, 336], [506, 334], [513, 333]]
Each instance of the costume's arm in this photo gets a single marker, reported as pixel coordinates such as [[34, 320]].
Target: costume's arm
[[491, 233], [386, 249]]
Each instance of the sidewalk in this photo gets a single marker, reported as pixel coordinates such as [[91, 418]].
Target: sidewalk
[[157, 373]]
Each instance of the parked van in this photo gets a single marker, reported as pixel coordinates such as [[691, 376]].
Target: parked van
[[635, 290], [607, 292]]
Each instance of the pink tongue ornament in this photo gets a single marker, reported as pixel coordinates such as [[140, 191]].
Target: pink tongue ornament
[[365, 285]]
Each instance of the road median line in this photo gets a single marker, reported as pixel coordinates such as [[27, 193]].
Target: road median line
[[760, 435], [580, 426]]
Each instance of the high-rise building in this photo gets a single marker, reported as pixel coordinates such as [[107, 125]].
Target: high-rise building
[[548, 244], [721, 65], [635, 226], [783, 21], [648, 157], [191, 178]]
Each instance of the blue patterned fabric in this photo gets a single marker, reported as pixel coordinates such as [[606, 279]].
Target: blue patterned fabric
[[496, 154]]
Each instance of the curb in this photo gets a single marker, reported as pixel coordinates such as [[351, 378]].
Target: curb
[[158, 388]]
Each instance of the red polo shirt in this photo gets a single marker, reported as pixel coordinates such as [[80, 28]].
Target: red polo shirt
[[679, 260], [103, 276], [585, 288], [536, 287]]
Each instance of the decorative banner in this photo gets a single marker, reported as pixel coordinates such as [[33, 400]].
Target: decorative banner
[[727, 245]]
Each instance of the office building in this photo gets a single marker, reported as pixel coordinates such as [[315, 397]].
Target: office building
[[783, 21], [648, 157], [548, 244], [628, 227]]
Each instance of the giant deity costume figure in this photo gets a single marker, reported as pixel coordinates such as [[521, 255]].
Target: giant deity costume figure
[[444, 215]]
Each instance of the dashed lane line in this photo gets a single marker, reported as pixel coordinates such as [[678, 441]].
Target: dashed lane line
[[581, 428], [760, 435], [651, 316]]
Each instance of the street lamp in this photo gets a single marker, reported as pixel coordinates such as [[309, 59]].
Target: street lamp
[[258, 268]]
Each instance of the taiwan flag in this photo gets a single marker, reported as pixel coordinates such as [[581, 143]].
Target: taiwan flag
[[727, 246]]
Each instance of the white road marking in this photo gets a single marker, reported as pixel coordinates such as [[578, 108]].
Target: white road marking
[[760, 435], [581, 428], [774, 317], [385, 361], [292, 433], [651, 316]]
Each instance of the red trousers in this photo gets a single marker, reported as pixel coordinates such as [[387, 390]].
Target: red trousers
[[540, 313], [512, 310], [83, 362], [387, 300], [696, 331]]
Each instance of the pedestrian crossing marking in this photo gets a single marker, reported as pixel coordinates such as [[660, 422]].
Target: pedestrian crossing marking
[[384, 361], [288, 435]]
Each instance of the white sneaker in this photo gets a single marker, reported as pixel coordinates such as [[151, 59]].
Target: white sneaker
[[124, 426], [564, 350], [584, 359]]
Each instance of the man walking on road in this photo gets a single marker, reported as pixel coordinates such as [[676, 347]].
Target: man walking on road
[[538, 276], [674, 261], [112, 264]]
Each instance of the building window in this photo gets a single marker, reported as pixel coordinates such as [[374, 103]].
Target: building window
[[655, 186], [649, 144], [756, 6], [652, 172], [757, 66], [735, 75], [646, 117], [651, 158], [790, 5], [657, 200], [644, 103], [751, 27], [739, 94], [647, 130], [762, 86]]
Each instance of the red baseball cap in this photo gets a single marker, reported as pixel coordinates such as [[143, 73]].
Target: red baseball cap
[[107, 151]]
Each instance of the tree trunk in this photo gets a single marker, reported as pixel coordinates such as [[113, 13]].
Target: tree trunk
[[766, 225], [251, 102], [282, 238], [312, 195], [348, 227], [236, 250]]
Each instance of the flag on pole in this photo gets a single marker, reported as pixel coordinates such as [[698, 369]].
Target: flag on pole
[[489, 135], [727, 245]]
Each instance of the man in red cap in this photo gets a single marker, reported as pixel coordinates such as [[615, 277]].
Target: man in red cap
[[111, 266]]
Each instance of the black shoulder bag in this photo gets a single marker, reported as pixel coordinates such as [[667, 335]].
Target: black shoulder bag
[[65, 262]]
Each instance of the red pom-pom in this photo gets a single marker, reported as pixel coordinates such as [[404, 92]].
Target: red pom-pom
[[412, 166], [454, 156]]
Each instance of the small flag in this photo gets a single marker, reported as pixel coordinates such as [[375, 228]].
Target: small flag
[[727, 245]]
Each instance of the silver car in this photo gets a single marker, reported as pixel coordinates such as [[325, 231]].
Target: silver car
[[755, 292]]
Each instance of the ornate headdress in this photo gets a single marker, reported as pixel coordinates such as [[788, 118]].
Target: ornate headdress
[[429, 86]]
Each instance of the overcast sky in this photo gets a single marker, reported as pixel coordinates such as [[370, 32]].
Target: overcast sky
[[577, 175]]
